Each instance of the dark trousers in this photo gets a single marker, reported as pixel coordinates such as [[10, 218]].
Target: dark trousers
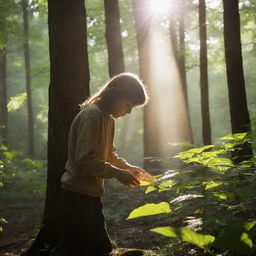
[[84, 230]]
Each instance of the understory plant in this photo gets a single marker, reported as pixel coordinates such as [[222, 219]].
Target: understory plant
[[211, 198]]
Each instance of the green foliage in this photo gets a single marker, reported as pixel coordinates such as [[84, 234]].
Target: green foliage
[[186, 235], [212, 194], [150, 209], [12, 164]]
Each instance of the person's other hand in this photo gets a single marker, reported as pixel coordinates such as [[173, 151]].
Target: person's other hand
[[126, 178]]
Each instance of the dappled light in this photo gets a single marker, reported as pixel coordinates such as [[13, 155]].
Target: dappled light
[[167, 106]]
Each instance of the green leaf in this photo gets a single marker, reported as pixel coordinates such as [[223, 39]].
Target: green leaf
[[150, 189], [223, 195], [200, 150], [2, 220], [218, 161], [167, 185], [186, 235], [236, 136], [150, 209], [212, 184], [235, 239]]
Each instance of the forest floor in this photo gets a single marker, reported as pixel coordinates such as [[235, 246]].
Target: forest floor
[[22, 203]]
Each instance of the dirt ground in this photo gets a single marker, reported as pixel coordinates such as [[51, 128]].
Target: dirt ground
[[24, 218]]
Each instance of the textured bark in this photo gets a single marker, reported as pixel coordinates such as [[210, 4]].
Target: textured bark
[[3, 98], [113, 38], [205, 109], [240, 119], [69, 86]]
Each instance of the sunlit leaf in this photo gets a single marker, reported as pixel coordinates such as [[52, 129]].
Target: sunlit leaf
[[235, 239], [212, 184], [220, 161], [166, 185], [223, 195], [2, 220], [236, 136], [150, 189], [150, 209], [186, 235], [185, 197], [200, 150]]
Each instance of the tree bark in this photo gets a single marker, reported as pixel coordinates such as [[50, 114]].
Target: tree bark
[[205, 109], [3, 98], [31, 150], [113, 38], [240, 119], [69, 86]]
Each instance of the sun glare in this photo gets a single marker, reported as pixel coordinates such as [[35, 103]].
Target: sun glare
[[160, 7]]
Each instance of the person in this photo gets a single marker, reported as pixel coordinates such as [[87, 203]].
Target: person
[[91, 159]]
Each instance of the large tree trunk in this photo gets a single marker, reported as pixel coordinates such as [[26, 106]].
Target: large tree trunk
[[205, 109], [240, 119], [69, 86], [142, 18], [113, 37], [3, 98], [31, 151]]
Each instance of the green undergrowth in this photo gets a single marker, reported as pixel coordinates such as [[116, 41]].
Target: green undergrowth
[[22, 180], [211, 201]]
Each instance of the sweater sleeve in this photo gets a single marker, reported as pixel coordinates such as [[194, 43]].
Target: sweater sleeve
[[86, 159], [116, 160]]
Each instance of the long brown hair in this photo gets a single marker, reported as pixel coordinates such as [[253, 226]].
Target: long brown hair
[[122, 86]]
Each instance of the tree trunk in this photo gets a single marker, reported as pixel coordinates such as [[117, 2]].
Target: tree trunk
[[142, 25], [69, 86], [113, 38], [31, 151], [182, 49], [205, 109], [3, 98], [178, 48], [240, 119], [182, 60]]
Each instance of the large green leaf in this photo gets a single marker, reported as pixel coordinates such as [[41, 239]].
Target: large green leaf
[[150, 209], [186, 235], [235, 239]]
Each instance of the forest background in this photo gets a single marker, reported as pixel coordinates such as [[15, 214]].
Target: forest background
[[129, 143]]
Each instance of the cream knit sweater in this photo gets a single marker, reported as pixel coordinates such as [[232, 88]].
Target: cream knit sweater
[[91, 153]]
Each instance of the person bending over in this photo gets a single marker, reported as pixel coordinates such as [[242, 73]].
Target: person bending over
[[91, 159]]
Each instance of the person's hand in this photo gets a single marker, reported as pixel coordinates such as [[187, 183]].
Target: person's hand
[[142, 176], [126, 178]]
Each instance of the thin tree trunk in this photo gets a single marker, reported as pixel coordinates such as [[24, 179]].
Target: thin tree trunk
[[240, 119], [3, 98], [182, 60], [31, 151], [69, 86], [114, 37], [182, 48], [142, 25], [205, 109]]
